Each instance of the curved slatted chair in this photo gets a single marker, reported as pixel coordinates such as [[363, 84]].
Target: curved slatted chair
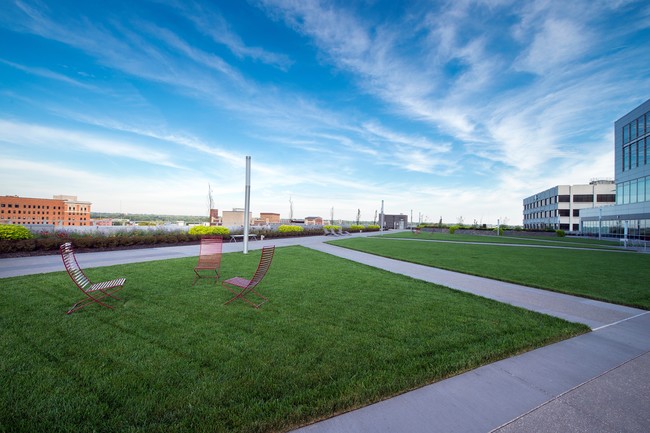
[[94, 292], [209, 258], [242, 287]]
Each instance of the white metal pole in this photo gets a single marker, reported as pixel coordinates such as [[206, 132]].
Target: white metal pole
[[381, 217], [247, 203]]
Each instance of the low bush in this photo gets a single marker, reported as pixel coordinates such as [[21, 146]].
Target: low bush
[[209, 230], [453, 229], [14, 232], [560, 233], [290, 229], [356, 227], [52, 243], [332, 227], [373, 227]]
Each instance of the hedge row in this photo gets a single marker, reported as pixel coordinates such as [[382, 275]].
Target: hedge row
[[52, 244]]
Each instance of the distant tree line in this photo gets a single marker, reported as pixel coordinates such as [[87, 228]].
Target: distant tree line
[[155, 218]]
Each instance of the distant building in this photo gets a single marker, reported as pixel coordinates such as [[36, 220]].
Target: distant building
[[270, 218], [313, 221], [630, 217], [214, 217], [234, 217], [62, 210], [395, 221], [558, 208]]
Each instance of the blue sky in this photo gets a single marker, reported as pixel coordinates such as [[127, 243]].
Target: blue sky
[[452, 109]]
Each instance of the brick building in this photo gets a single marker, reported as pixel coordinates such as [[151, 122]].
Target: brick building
[[267, 218], [62, 210]]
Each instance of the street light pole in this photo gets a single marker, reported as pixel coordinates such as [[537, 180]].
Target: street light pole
[[247, 203]]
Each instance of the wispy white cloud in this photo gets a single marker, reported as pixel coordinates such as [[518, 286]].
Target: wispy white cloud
[[211, 23], [557, 45], [45, 73], [25, 134], [474, 102]]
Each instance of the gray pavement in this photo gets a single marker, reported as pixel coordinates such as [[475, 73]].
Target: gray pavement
[[597, 382]]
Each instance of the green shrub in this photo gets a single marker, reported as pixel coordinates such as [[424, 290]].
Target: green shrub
[[372, 227], [290, 229], [13, 232], [332, 227], [560, 233], [209, 230], [356, 227], [453, 229]]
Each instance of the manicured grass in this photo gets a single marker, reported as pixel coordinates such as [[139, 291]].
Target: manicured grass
[[613, 276], [523, 239], [170, 357]]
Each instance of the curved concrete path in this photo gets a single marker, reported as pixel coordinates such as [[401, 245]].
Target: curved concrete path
[[597, 382]]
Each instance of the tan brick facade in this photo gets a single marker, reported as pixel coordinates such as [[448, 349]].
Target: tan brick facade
[[61, 211]]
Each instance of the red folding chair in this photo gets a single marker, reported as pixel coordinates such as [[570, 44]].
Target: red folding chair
[[94, 292], [209, 258], [242, 287]]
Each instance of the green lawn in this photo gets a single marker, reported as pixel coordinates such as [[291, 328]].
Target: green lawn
[[170, 357], [613, 276], [523, 239]]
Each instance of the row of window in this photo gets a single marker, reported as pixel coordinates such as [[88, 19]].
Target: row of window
[[636, 128], [42, 222], [636, 229], [552, 214], [23, 217], [633, 191], [28, 206], [554, 226], [29, 212], [577, 198], [636, 154]]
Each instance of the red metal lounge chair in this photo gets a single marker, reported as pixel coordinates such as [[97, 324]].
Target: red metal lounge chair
[[94, 292], [242, 287], [209, 258]]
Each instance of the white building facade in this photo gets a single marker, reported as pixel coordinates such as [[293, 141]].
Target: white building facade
[[558, 208]]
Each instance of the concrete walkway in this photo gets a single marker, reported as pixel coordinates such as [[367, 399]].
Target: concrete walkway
[[597, 382]]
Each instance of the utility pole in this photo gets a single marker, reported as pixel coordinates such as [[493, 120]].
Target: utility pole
[[290, 209], [247, 203]]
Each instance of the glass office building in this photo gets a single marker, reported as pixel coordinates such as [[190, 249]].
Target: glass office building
[[630, 217]]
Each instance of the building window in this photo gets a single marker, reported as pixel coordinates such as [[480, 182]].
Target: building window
[[564, 198], [641, 190], [626, 134], [606, 198], [626, 158], [564, 212], [576, 212], [583, 198], [633, 191], [619, 193]]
